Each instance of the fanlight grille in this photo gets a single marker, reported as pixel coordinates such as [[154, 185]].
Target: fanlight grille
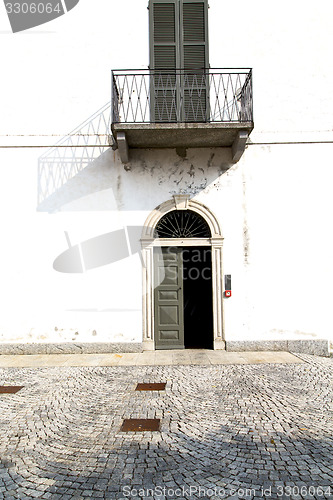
[[182, 224]]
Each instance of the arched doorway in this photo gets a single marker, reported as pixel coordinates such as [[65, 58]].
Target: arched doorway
[[183, 306], [182, 277]]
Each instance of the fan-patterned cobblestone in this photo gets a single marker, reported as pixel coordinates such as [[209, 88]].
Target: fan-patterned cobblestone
[[227, 431]]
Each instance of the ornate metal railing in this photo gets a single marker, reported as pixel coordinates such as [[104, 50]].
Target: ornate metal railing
[[203, 95]]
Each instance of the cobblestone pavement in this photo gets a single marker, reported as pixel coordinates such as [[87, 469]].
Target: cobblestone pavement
[[227, 431]]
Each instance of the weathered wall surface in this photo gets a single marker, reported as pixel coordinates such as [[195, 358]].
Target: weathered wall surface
[[274, 206]]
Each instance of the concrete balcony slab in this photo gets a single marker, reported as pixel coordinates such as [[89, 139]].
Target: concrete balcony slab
[[175, 135], [181, 135]]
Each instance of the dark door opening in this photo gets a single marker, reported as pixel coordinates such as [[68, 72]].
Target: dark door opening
[[197, 296], [183, 303]]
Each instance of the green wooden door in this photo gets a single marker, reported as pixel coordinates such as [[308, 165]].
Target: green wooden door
[[168, 297]]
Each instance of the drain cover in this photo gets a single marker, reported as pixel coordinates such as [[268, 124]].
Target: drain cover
[[139, 425], [151, 387], [10, 389]]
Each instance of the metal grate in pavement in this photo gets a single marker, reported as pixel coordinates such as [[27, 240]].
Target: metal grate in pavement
[[151, 387], [140, 425], [10, 389]]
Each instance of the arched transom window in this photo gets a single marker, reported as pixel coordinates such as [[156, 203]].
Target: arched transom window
[[182, 224]]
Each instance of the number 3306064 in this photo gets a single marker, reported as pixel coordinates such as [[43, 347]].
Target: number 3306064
[[33, 8]]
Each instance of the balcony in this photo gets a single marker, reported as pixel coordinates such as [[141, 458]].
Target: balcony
[[182, 109]]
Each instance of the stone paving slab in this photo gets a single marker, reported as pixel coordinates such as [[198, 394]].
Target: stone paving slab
[[260, 430], [148, 358]]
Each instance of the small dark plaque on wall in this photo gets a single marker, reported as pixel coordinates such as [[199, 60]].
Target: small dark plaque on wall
[[227, 281]]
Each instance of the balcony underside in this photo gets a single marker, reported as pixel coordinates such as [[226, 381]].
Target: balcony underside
[[181, 135]]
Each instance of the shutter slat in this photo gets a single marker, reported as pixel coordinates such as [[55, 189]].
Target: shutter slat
[[195, 105], [194, 22], [165, 57], [164, 22], [165, 106], [194, 56]]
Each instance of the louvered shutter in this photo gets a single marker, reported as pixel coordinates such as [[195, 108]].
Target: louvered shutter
[[178, 39], [164, 59], [194, 59]]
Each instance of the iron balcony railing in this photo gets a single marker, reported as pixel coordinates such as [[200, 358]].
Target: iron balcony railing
[[177, 96]]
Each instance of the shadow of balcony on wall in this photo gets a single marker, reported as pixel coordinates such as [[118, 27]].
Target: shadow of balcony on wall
[[83, 172], [70, 156]]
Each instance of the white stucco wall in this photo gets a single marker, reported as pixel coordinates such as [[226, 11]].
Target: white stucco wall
[[274, 206]]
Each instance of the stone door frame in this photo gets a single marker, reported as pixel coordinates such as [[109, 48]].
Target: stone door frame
[[148, 242]]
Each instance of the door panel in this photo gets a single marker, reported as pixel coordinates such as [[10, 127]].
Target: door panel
[[168, 295], [169, 334], [183, 298], [168, 315]]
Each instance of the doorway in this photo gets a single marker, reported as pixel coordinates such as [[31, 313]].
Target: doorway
[[180, 223], [198, 299], [183, 298]]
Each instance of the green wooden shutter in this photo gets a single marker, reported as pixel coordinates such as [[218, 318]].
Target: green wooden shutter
[[194, 59], [194, 34], [178, 32], [164, 59]]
